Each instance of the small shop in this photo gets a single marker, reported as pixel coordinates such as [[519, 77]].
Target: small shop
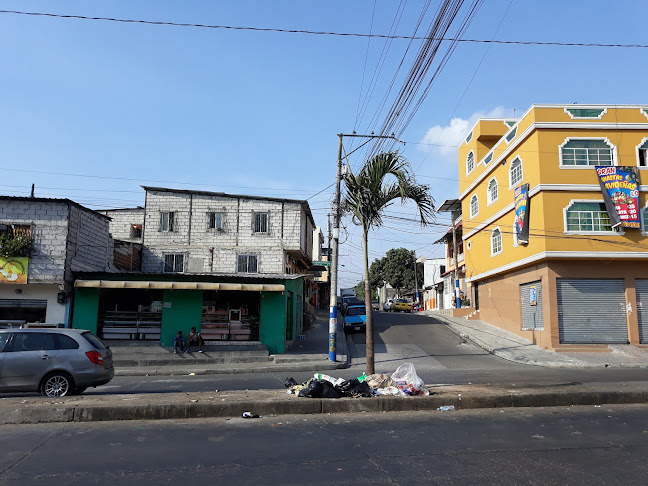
[[143, 307]]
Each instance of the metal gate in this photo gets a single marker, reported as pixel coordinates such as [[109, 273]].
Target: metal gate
[[592, 311], [532, 308], [641, 286]]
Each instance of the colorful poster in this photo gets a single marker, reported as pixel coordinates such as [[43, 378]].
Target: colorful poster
[[13, 270], [533, 296], [620, 186], [522, 213]]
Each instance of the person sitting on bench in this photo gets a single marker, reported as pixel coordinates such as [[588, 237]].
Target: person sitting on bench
[[195, 339]]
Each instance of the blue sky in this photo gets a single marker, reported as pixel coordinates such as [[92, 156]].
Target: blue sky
[[258, 113]]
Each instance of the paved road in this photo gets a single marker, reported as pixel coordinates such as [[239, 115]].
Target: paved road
[[575, 445]]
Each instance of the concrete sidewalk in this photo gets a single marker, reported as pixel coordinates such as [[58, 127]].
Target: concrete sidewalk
[[93, 408], [309, 354], [515, 348]]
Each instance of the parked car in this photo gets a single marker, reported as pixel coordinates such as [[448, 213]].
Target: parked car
[[56, 362], [401, 305], [355, 318], [348, 301], [375, 305], [387, 305]]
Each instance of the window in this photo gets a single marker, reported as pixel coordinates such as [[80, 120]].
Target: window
[[174, 262], [59, 341], [260, 222], [496, 242], [511, 135], [515, 172], [492, 191], [474, 206], [216, 221], [643, 154], [587, 216], [136, 231], [488, 158], [586, 153], [248, 263], [28, 341], [586, 112], [167, 221], [510, 123], [469, 137], [470, 163]]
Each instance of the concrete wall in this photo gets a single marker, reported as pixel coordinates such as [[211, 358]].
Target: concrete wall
[[213, 251], [122, 221]]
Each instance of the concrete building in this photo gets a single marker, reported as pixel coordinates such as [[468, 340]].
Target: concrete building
[[433, 283], [554, 255], [236, 267], [36, 284]]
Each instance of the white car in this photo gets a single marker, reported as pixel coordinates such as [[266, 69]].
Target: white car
[[387, 304]]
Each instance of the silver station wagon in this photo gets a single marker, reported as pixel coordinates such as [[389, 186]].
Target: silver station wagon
[[56, 362]]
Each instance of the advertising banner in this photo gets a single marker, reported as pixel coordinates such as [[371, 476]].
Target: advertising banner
[[533, 296], [620, 187], [522, 213], [13, 270]]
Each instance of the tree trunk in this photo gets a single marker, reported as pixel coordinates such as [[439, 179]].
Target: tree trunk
[[369, 329]]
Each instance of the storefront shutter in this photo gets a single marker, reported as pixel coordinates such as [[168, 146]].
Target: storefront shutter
[[532, 315], [641, 286]]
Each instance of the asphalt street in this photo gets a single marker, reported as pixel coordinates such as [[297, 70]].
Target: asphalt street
[[570, 445]]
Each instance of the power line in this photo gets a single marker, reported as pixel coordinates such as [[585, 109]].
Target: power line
[[341, 34]]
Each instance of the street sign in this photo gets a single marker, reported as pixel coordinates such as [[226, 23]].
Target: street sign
[[322, 263]]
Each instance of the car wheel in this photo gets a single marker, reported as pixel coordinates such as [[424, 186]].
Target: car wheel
[[56, 385]]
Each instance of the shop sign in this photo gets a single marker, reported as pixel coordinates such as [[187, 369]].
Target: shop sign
[[620, 187], [522, 213], [533, 299], [13, 270]]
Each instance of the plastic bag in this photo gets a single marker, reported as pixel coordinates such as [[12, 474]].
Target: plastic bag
[[354, 388], [290, 382], [319, 389], [379, 381], [390, 390], [406, 379], [330, 379]]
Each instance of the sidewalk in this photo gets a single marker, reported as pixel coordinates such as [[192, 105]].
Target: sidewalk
[[94, 408], [309, 354], [512, 347]]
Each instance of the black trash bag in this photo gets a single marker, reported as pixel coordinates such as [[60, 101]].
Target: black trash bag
[[319, 389], [354, 388], [290, 382]]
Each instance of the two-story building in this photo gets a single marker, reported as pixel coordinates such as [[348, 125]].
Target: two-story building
[[433, 283], [549, 256], [235, 266], [42, 242]]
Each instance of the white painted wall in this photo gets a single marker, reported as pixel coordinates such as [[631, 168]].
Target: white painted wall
[[55, 312]]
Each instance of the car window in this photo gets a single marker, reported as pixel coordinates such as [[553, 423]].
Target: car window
[[356, 311], [66, 342], [94, 340], [28, 341], [4, 338], [50, 342]]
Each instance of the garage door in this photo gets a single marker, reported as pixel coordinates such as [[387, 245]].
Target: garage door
[[641, 284], [532, 310], [592, 311]]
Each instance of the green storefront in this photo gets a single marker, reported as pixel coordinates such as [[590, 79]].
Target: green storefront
[[146, 307]]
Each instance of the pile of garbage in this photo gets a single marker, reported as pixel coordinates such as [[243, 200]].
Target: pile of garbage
[[404, 381]]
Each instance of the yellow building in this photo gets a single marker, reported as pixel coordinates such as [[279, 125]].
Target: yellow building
[[581, 278]]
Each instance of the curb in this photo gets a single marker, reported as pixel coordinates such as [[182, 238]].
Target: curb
[[298, 406]]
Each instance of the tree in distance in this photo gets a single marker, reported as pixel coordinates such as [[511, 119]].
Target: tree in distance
[[397, 269], [381, 181], [360, 291]]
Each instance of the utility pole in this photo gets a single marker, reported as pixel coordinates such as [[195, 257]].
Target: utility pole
[[336, 241]]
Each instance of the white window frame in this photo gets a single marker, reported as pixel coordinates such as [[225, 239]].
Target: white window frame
[[501, 242], [486, 162], [638, 149], [644, 230], [468, 169], [247, 256], [588, 167], [572, 232], [513, 185], [516, 242], [175, 255], [267, 222], [170, 221], [511, 133], [215, 227], [579, 107], [489, 198], [469, 137], [644, 111], [472, 215]]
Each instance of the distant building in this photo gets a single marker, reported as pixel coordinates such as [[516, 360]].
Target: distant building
[[433, 283]]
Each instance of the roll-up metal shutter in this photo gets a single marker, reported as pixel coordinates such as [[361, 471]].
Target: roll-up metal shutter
[[25, 303], [532, 311], [592, 311], [641, 286]]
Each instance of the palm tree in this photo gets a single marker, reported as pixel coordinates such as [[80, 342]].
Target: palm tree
[[366, 196]]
